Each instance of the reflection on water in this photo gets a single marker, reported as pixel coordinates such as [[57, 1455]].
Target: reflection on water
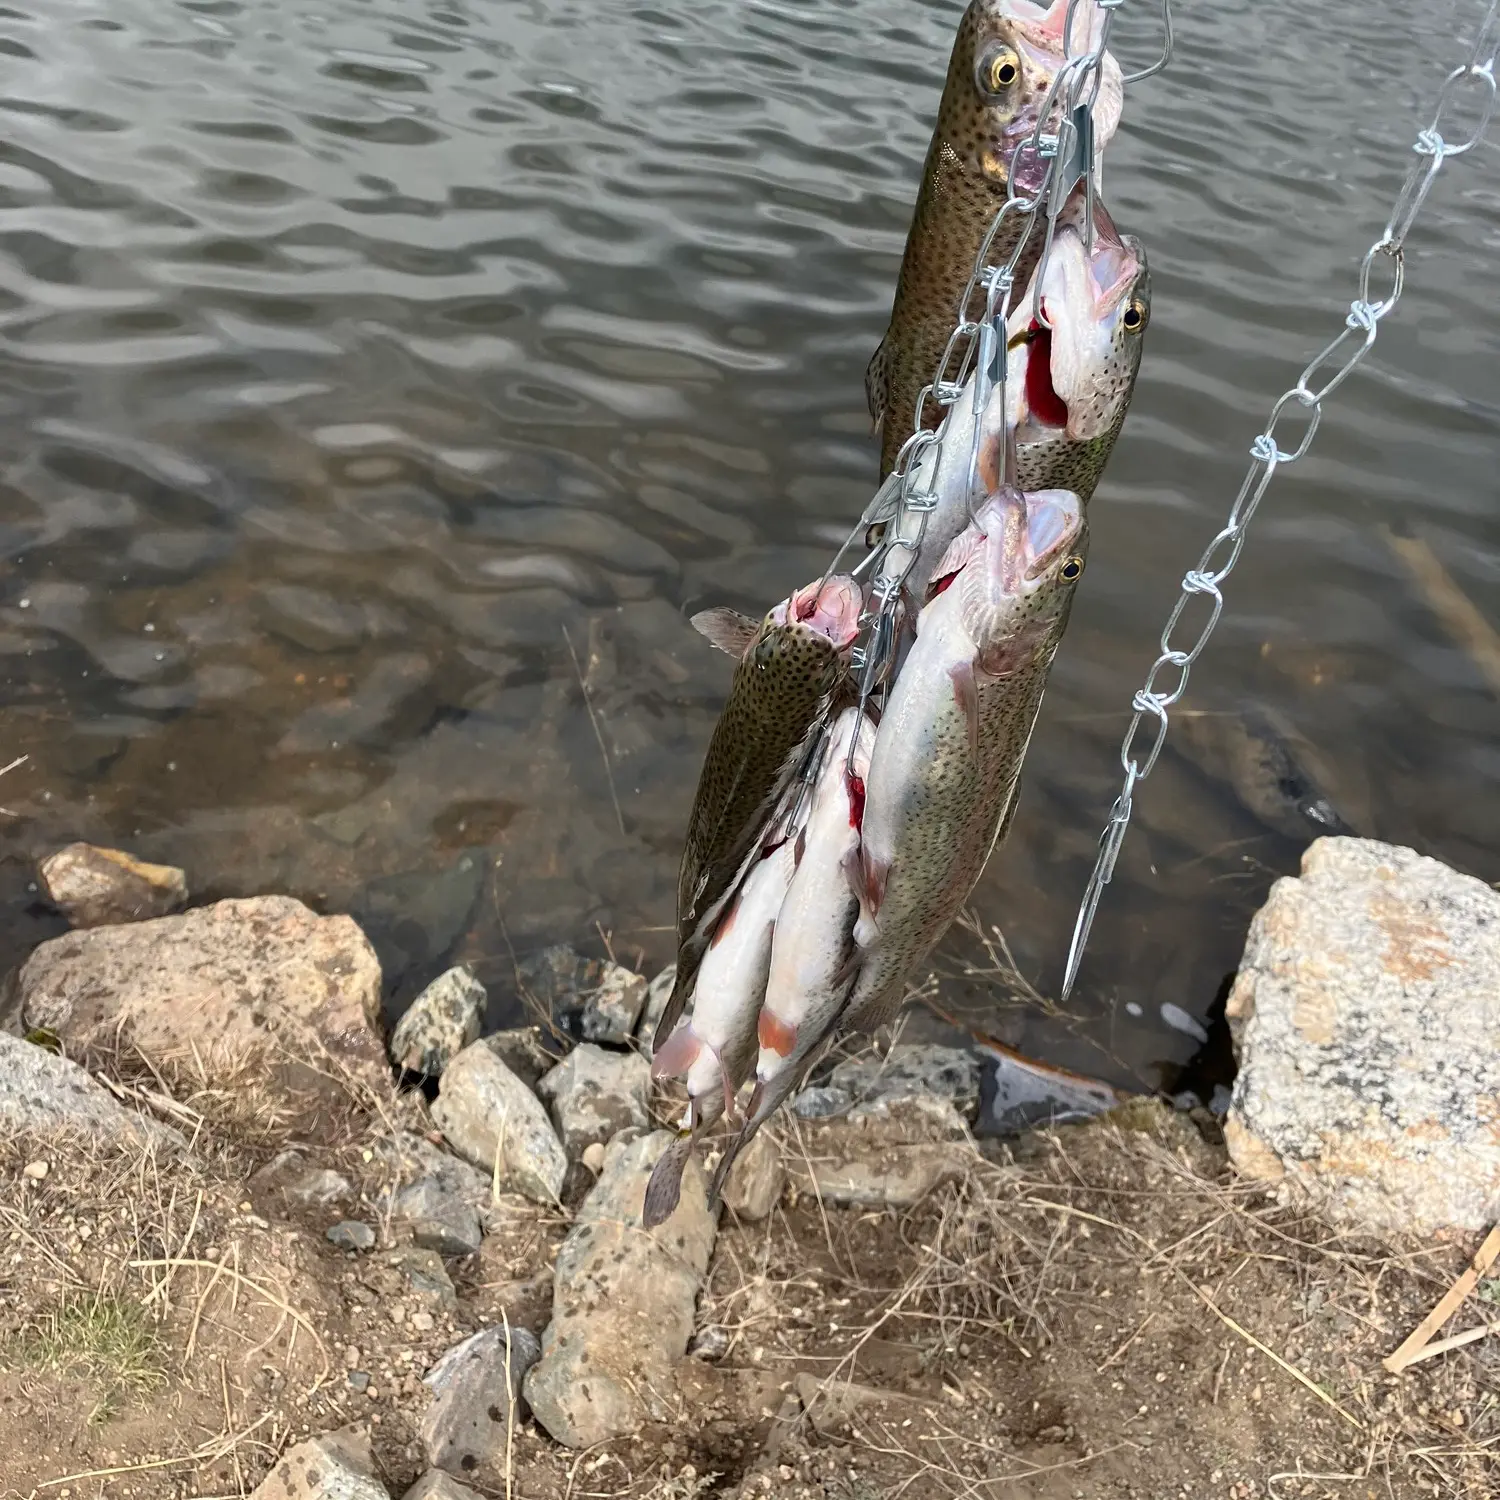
[[383, 387]]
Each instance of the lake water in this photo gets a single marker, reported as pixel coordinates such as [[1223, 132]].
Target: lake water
[[379, 381]]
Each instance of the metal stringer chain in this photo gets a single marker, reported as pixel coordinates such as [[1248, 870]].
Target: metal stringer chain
[[1062, 143], [1331, 366]]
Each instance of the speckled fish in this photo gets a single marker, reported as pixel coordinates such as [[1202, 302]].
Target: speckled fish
[[1074, 379], [778, 702], [716, 1046], [810, 970], [1068, 386], [1004, 61], [948, 755]]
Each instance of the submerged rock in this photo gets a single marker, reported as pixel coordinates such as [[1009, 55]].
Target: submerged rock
[[623, 1299], [476, 1398], [443, 1020], [95, 887], [493, 1120], [589, 998], [262, 988], [1367, 1014], [44, 1094], [336, 1466], [595, 1094], [913, 1070]]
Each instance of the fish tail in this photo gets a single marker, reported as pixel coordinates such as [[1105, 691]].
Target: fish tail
[[664, 1190]]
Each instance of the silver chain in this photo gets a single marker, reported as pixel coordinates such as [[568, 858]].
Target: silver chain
[[1332, 365], [1062, 141]]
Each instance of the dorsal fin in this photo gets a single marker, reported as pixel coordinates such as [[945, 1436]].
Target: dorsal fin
[[726, 628]]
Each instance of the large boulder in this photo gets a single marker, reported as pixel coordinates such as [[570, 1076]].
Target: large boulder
[[622, 1302], [262, 988], [1367, 1016]]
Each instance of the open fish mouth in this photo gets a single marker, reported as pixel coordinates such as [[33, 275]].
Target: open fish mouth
[[1044, 406]]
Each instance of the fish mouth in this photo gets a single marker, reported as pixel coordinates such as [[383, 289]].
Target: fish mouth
[[831, 607], [1044, 406]]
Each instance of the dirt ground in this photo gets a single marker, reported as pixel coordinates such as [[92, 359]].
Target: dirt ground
[[1100, 1312]]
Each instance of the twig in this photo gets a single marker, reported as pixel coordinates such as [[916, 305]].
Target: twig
[[1270, 1353], [609, 774], [1456, 1341], [1448, 1304]]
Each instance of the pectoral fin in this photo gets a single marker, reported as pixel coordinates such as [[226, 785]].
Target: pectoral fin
[[726, 628]]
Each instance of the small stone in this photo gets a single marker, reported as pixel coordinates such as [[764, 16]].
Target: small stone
[[596, 1094], [821, 1103], [336, 1466], [443, 1020], [612, 1008], [486, 1113], [623, 1300], [440, 1197], [423, 1271], [287, 1182], [658, 992], [756, 1180], [911, 1070], [351, 1357], [593, 1157], [435, 1485], [36, 1170], [709, 1343], [421, 1321], [359, 1379], [95, 887], [351, 1234], [1367, 1015], [476, 1390]]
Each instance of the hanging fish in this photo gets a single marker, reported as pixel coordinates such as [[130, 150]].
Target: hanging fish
[[1004, 61], [810, 969], [789, 668], [715, 1048], [948, 755], [1067, 389]]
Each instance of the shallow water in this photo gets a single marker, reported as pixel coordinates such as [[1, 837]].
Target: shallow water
[[382, 389]]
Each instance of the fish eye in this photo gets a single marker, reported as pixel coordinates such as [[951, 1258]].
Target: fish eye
[[999, 70], [1072, 570], [1135, 316]]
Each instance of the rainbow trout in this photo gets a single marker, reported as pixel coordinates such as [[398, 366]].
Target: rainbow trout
[[948, 755], [810, 964], [1004, 61], [778, 702], [716, 1047]]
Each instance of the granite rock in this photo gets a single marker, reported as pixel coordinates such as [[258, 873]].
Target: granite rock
[[623, 1301], [494, 1121], [443, 1020], [476, 1394], [595, 1094], [612, 1007], [336, 1466], [95, 887], [1367, 1016], [913, 1070]]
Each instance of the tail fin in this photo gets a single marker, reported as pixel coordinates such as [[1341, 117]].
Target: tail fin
[[664, 1190]]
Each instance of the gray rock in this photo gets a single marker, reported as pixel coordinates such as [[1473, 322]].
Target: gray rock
[[527, 1051], [709, 1343], [913, 1070], [1367, 1013], [1018, 1094], [336, 1466], [821, 1103], [436, 1485], [438, 1196], [44, 1094], [595, 1094], [288, 1183], [491, 1118], [556, 984], [423, 1271], [351, 1234], [359, 1380], [888, 1153], [476, 1393], [622, 1302], [658, 992], [263, 985], [443, 1020], [756, 1179], [612, 1008], [95, 887]]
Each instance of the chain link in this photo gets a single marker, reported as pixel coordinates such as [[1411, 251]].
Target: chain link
[[1304, 402], [1062, 144]]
